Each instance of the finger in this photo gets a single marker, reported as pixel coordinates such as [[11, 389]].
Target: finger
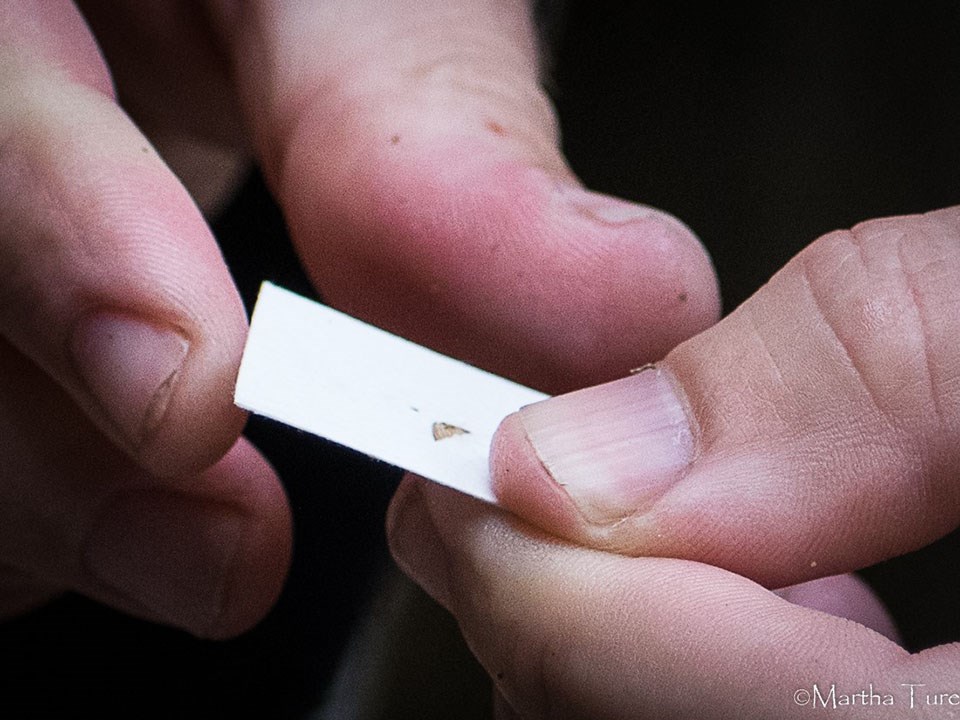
[[112, 282], [810, 433], [576, 633], [208, 555], [416, 158]]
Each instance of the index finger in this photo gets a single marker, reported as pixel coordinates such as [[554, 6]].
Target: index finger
[[113, 284]]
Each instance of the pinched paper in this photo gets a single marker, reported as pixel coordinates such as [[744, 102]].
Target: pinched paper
[[332, 375]]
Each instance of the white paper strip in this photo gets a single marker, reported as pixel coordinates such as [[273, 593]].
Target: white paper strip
[[319, 370]]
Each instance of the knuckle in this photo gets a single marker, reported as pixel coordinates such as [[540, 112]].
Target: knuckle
[[887, 291]]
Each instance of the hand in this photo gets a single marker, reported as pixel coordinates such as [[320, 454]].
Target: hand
[[810, 433], [416, 161]]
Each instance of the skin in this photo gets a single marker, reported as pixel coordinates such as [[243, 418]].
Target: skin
[[823, 415], [415, 158]]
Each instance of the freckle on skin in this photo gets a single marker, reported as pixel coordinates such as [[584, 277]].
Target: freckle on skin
[[495, 127], [682, 297], [394, 139]]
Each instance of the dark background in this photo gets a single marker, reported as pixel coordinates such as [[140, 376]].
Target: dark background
[[760, 128]]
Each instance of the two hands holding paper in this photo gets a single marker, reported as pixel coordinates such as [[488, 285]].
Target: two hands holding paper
[[810, 433]]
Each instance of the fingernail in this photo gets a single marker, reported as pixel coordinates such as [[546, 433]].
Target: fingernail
[[613, 448], [169, 554], [130, 366], [415, 543]]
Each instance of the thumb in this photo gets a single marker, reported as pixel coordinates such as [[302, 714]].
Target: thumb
[[810, 433], [416, 159], [112, 282]]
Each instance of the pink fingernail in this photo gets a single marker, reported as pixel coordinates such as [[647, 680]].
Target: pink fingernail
[[613, 448], [130, 366]]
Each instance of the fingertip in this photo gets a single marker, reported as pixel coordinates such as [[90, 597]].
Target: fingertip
[[416, 546], [163, 390], [210, 559], [668, 289], [264, 553], [201, 422], [523, 485], [697, 304]]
